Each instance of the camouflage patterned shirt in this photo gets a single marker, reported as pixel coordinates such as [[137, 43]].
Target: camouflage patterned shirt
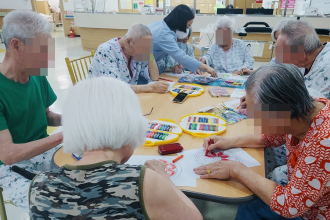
[[106, 190]]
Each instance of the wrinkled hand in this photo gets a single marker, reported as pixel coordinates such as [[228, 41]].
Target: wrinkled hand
[[218, 170], [199, 72], [219, 143], [202, 60], [177, 69], [156, 165], [237, 72], [242, 106], [160, 87], [246, 71], [211, 71]]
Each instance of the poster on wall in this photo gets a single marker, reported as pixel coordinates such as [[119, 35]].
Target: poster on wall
[[291, 4], [267, 4]]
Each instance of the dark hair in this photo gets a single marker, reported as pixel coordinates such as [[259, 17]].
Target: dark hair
[[178, 18], [230, 6], [281, 84], [190, 32]]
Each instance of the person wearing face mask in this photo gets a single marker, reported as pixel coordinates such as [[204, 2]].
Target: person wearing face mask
[[168, 63], [165, 39], [127, 59], [228, 55]]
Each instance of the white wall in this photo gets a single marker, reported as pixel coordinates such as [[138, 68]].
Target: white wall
[[99, 20], [15, 4]]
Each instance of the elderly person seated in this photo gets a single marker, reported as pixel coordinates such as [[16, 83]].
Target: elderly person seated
[[299, 44], [129, 58], [25, 97], [168, 63], [283, 112], [102, 118], [228, 55]]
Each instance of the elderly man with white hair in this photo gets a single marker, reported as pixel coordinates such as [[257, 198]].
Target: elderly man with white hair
[[299, 44], [129, 58], [25, 97], [228, 55]]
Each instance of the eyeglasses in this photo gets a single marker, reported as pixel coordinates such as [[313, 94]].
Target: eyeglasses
[[150, 112]]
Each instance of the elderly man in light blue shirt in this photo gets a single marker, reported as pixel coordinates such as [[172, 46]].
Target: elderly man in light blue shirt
[[228, 55]]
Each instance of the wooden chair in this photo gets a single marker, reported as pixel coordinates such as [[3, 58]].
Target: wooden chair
[[2, 207], [78, 68]]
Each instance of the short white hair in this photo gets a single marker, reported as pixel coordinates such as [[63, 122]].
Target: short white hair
[[226, 22], [137, 31], [23, 24], [102, 113], [301, 33], [278, 27]]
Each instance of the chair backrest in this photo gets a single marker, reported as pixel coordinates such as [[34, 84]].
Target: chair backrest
[[78, 68], [2, 207]]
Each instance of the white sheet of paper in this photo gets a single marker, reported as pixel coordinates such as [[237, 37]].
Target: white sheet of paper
[[238, 93], [178, 75], [122, 4], [232, 104], [181, 172], [99, 5], [197, 157], [171, 84]]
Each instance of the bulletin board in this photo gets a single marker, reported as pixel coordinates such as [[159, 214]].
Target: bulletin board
[[322, 6]]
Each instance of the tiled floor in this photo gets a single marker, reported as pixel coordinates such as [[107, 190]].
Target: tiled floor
[[59, 79]]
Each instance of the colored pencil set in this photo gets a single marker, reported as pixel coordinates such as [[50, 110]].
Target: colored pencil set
[[203, 120], [157, 135], [161, 127], [189, 87], [202, 127]]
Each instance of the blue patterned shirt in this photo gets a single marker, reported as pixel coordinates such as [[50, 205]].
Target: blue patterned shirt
[[236, 58], [110, 60], [319, 74]]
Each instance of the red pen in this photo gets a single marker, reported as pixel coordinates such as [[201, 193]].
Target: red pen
[[210, 142], [165, 79]]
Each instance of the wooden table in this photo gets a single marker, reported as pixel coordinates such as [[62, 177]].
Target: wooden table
[[228, 191]]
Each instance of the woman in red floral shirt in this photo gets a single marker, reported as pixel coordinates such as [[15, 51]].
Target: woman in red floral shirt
[[283, 112]]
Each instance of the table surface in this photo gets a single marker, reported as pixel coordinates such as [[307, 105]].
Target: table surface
[[225, 191]]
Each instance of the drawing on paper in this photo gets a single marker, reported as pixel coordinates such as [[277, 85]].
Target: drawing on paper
[[216, 155], [171, 169]]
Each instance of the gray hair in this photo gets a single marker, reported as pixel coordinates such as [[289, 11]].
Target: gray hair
[[137, 31], [278, 27], [301, 33], [226, 22], [281, 84], [102, 113], [23, 24]]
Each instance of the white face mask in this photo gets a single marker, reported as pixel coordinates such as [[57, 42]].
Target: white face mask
[[181, 35]]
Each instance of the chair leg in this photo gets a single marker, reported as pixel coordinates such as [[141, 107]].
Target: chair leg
[[2, 207]]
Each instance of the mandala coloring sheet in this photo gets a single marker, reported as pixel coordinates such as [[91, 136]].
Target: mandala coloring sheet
[[180, 172]]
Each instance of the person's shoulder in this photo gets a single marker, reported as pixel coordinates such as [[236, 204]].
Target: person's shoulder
[[108, 44], [238, 42]]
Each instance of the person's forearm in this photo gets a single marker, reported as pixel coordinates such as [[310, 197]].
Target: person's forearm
[[54, 119], [178, 191], [261, 186], [15, 153], [203, 66], [153, 70], [247, 141], [142, 88]]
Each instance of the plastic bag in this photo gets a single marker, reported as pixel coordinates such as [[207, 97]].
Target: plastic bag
[[207, 36]]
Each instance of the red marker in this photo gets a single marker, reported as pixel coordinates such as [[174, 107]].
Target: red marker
[[210, 142], [178, 158], [165, 79]]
